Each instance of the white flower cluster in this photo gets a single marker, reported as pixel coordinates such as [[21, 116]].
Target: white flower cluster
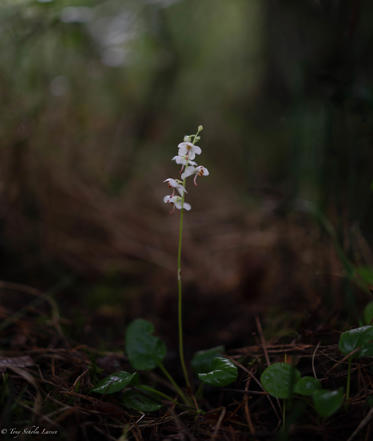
[[185, 157]]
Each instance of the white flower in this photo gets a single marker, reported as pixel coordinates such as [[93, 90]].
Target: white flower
[[202, 171], [177, 201], [183, 160], [189, 171], [189, 149], [197, 171], [176, 183]]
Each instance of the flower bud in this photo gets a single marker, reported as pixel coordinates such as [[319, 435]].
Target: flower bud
[[200, 128], [187, 138]]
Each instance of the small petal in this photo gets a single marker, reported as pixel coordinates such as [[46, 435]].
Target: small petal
[[202, 171], [187, 148], [189, 171], [178, 201], [197, 150], [171, 182], [181, 189], [183, 160], [167, 199]]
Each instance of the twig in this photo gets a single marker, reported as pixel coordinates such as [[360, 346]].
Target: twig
[[313, 359], [246, 408], [183, 429], [218, 424], [262, 340], [343, 360], [362, 424], [55, 320], [259, 384], [78, 379]]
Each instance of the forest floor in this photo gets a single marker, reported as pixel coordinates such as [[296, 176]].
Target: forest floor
[[49, 369], [269, 289]]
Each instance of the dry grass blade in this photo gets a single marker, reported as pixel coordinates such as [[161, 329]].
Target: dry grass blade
[[260, 385], [17, 362], [31, 380], [262, 340], [313, 359], [184, 432], [362, 424], [246, 407], [41, 296], [218, 424]]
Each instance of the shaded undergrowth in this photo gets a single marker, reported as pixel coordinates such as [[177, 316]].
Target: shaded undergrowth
[[47, 381]]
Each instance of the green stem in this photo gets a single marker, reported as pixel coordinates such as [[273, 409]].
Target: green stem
[[157, 392], [180, 297], [348, 384], [174, 384], [179, 283], [283, 414]]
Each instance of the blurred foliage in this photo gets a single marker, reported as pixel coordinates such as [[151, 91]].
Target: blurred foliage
[[100, 92]]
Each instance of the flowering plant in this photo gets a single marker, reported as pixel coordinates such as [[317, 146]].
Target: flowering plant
[[146, 351], [186, 154]]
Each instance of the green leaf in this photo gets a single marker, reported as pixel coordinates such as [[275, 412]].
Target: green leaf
[[114, 382], [307, 386], [366, 274], [222, 373], [202, 360], [279, 379], [357, 338], [141, 401], [327, 402], [144, 350], [368, 313]]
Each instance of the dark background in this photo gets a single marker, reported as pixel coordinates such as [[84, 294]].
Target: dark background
[[95, 97]]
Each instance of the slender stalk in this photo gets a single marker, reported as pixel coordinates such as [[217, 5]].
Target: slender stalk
[[283, 414], [174, 384], [348, 384], [179, 282], [157, 392], [180, 296]]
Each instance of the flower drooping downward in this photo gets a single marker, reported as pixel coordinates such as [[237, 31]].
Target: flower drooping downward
[[187, 152]]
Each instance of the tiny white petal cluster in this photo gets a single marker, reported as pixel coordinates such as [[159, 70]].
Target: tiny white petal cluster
[[183, 160], [189, 149], [176, 183], [187, 152]]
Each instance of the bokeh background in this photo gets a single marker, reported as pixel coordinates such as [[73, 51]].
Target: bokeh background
[[95, 97]]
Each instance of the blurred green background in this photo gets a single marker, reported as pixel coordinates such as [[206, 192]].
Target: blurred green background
[[95, 96]]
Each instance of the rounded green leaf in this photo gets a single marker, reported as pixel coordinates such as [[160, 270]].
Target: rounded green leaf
[[222, 373], [327, 402], [368, 313], [114, 382], [202, 361], [307, 386], [144, 350], [279, 379], [357, 338], [141, 401]]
